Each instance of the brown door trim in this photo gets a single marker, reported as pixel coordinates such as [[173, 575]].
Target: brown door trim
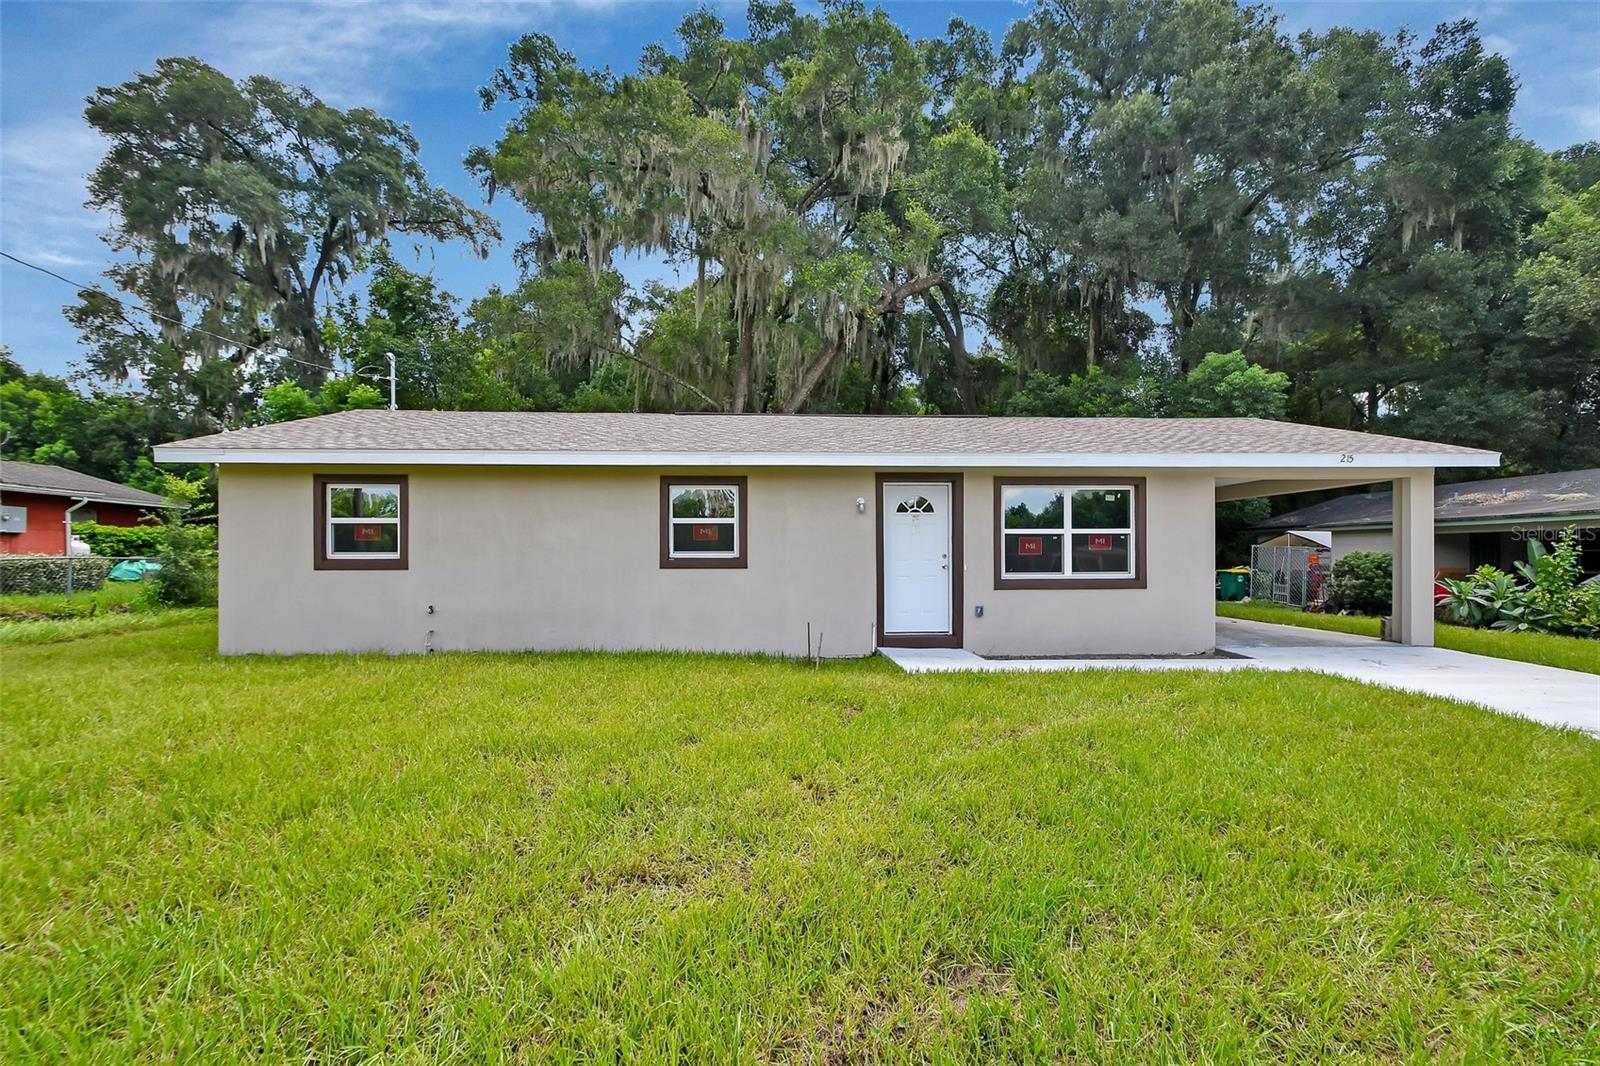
[[957, 562]]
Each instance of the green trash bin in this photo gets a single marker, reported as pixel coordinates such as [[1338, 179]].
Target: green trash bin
[[1233, 584]]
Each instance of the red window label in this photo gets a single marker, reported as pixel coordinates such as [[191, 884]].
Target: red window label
[[1099, 542], [1030, 545], [369, 533], [705, 532]]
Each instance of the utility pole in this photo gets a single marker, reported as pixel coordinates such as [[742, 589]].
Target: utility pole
[[392, 405]]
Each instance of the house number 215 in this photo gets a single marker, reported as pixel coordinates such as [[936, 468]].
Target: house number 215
[[1346, 457]]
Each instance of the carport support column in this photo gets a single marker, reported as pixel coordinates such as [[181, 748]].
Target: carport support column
[[1411, 621]]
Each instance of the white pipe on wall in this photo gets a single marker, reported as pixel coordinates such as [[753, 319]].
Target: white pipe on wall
[[66, 522]]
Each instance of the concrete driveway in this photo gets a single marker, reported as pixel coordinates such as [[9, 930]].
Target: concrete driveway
[[1543, 693]]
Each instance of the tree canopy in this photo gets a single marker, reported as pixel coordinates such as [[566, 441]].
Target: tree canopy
[[789, 168], [239, 206]]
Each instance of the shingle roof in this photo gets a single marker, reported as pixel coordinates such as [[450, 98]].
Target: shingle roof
[[1574, 492], [58, 481], [556, 434]]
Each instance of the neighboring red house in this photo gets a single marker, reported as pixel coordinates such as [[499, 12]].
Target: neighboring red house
[[35, 501]]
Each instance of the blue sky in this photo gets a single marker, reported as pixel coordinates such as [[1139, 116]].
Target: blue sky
[[422, 63]]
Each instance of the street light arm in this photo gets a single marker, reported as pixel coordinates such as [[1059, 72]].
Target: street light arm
[[378, 375]]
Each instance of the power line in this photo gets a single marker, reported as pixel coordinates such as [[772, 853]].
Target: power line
[[165, 318]]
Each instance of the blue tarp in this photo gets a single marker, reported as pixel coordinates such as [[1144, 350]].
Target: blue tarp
[[132, 570]]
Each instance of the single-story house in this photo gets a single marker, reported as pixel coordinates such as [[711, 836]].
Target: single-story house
[[39, 503], [1475, 522], [426, 530]]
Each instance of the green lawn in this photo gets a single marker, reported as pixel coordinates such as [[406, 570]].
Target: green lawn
[[1569, 653], [111, 597], [58, 630], [118, 607], [646, 858]]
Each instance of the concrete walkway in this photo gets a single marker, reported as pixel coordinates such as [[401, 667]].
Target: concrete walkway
[[1542, 693]]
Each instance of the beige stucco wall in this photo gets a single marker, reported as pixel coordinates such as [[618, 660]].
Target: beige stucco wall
[[514, 558], [1361, 540], [1450, 550], [518, 558]]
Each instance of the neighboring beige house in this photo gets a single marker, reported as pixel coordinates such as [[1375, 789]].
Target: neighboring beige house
[[1475, 522], [410, 531]]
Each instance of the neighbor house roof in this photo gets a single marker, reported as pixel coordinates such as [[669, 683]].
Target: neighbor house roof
[[1573, 494], [542, 438], [45, 480]]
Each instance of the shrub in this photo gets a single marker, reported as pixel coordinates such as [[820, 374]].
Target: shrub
[[120, 540], [1360, 582], [187, 577], [1477, 599], [1491, 598], [34, 574], [1555, 571], [1553, 590], [1551, 601], [1582, 617]]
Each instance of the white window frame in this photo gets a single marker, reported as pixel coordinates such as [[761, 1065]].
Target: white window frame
[[1067, 529], [327, 533], [673, 521]]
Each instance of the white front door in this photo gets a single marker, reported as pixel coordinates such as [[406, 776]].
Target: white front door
[[916, 557]]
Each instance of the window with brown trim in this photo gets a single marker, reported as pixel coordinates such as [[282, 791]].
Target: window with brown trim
[[361, 522], [1069, 533], [703, 522]]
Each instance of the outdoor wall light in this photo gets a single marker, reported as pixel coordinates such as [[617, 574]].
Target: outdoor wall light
[[861, 505]]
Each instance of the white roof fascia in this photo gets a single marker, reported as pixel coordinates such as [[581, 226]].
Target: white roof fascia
[[882, 460]]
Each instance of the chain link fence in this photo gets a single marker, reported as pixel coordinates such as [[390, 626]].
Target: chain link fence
[[1293, 575], [27, 575]]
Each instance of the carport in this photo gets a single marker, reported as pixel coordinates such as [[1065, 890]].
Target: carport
[[1411, 616]]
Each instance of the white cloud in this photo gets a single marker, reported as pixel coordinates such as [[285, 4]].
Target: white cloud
[[1500, 44], [44, 169], [355, 53], [348, 53], [1584, 119]]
